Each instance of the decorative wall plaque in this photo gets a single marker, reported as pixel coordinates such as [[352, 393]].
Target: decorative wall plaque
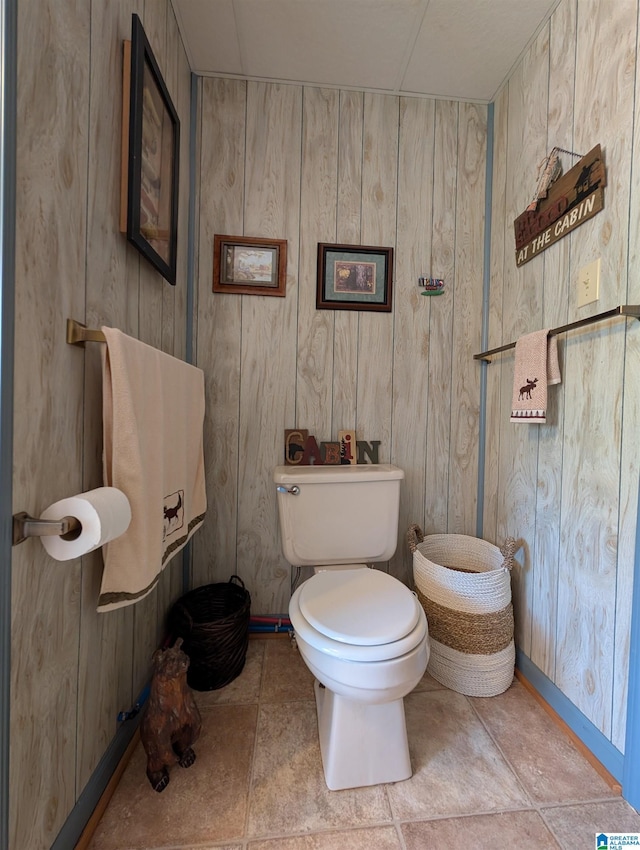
[[573, 199]]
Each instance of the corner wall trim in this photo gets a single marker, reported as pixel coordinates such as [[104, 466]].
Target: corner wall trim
[[187, 557], [81, 813], [191, 221], [486, 283], [593, 739], [631, 774]]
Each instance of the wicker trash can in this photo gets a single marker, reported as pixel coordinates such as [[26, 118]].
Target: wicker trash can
[[464, 586], [213, 621]]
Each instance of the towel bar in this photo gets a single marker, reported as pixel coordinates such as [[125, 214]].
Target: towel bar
[[27, 526], [78, 334], [630, 311]]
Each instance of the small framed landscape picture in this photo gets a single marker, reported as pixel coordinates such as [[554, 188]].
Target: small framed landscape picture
[[354, 277], [248, 266]]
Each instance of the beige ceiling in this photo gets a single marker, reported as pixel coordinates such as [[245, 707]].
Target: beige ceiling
[[460, 49]]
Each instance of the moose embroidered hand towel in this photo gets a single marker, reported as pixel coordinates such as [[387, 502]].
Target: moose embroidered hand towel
[[153, 416], [536, 366]]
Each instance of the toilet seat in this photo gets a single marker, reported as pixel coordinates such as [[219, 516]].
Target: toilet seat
[[350, 652], [361, 607], [358, 615]]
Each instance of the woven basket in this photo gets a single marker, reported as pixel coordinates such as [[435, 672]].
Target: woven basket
[[213, 621], [464, 585]]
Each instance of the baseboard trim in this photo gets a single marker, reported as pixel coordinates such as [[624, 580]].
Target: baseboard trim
[[601, 751], [611, 781], [101, 806], [93, 800], [269, 635]]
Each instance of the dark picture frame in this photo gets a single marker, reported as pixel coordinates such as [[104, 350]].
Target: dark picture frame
[[354, 277], [249, 266], [154, 145]]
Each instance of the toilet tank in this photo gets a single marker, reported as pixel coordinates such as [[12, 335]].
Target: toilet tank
[[341, 514]]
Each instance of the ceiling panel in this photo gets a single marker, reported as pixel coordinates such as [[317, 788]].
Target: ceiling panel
[[208, 29], [461, 49], [466, 49], [327, 41]]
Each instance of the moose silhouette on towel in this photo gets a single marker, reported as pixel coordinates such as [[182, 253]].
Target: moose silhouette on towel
[[173, 512], [525, 392]]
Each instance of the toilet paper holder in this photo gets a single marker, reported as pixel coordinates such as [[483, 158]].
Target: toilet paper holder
[[69, 527]]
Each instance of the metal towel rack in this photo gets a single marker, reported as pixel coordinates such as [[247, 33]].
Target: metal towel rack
[[629, 311]]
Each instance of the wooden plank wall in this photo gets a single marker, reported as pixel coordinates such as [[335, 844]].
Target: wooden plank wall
[[569, 489], [73, 670], [314, 165]]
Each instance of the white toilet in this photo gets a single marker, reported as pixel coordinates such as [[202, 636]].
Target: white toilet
[[361, 632]]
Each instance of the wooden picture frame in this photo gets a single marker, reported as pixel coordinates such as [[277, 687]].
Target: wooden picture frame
[[354, 277], [245, 265], [152, 159]]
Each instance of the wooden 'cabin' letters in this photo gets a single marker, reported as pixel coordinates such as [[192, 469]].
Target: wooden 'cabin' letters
[[302, 449]]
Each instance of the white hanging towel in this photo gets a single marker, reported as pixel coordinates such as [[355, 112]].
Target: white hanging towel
[[153, 415], [536, 366]]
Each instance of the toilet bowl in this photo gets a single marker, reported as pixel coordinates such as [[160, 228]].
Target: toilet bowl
[[364, 636], [360, 631]]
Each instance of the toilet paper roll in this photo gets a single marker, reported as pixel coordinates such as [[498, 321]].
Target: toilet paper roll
[[104, 513]]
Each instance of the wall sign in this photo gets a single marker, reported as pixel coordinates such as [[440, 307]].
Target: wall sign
[[571, 200]]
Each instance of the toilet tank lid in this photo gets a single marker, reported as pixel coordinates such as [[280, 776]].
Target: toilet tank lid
[[330, 474]]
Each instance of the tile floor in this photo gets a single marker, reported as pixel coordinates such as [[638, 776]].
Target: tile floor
[[488, 773]]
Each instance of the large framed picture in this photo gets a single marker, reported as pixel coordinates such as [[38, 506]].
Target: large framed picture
[[354, 277], [247, 266], [154, 143]]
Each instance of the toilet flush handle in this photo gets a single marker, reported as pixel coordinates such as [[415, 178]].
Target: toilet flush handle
[[294, 490]]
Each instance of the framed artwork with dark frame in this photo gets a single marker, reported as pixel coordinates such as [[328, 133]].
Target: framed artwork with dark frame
[[354, 277], [154, 143], [249, 266]]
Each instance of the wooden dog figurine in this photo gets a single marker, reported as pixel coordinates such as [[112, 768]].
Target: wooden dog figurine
[[171, 722]]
